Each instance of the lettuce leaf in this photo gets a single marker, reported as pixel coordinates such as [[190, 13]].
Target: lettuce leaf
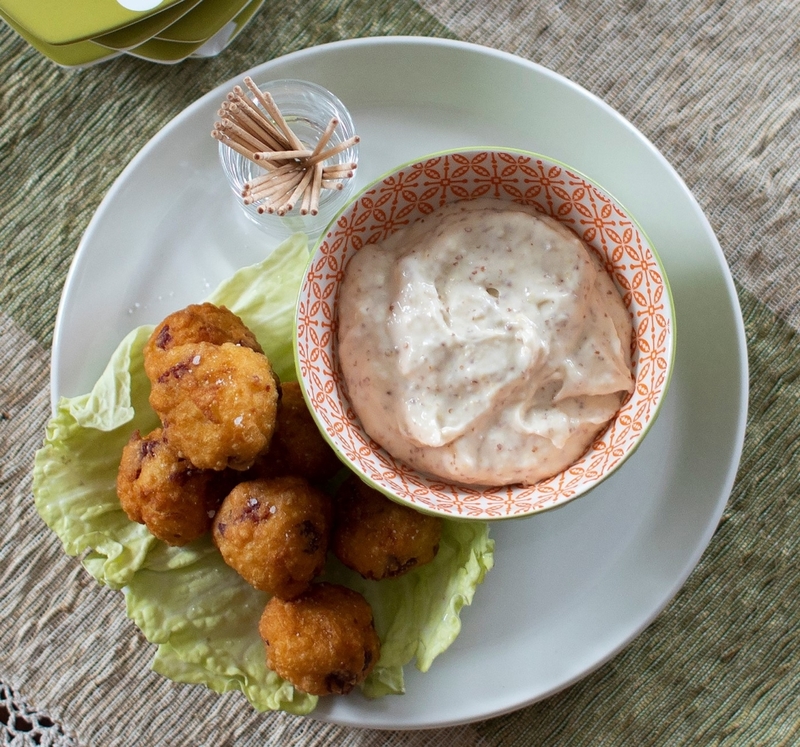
[[74, 473], [202, 616]]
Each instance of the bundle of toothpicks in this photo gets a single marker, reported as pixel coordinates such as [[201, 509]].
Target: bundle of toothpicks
[[294, 172]]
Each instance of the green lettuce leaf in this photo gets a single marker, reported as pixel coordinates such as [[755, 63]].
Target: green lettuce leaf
[[74, 473], [202, 616]]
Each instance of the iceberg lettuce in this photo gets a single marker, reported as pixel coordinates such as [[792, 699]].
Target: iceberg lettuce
[[200, 613]]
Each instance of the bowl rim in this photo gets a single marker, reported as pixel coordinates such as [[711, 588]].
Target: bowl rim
[[671, 339]]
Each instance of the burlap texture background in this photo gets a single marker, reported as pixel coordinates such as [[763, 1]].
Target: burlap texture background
[[716, 86]]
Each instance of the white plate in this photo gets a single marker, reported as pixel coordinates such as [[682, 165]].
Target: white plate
[[570, 587]]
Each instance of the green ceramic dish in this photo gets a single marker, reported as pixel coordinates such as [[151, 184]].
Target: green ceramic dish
[[79, 54], [203, 21], [59, 22], [141, 31], [171, 52]]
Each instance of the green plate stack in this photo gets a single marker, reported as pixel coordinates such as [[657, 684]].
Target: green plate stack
[[168, 31]]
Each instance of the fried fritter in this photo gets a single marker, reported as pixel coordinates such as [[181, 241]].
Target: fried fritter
[[379, 538], [297, 448], [323, 642], [196, 323], [171, 497], [275, 533], [217, 403]]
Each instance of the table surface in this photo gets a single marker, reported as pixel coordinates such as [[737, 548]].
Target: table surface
[[715, 86]]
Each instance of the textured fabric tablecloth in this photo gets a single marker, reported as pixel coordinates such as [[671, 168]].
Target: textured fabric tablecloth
[[716, 87]]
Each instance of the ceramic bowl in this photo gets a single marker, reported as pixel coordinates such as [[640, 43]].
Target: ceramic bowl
[[415, 190]]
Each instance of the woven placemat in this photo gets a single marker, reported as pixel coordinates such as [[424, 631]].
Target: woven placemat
[[715, 87]]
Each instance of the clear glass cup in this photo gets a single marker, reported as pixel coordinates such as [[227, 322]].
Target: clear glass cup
[[307, 109]]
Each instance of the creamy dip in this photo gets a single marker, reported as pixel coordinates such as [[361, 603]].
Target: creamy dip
[[483, 344]]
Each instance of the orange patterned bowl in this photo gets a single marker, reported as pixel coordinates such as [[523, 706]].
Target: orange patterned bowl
[[417, 189]]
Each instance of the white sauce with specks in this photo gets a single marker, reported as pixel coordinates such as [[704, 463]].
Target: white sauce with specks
[[484, 344]]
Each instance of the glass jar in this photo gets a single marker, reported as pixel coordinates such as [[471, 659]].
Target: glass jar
[[307, 109]]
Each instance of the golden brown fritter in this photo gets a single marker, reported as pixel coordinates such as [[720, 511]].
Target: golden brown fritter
[[196, 323], [274, 533], [323, 642], [217, 403], [157, 488], [297, 448], [379, 538]]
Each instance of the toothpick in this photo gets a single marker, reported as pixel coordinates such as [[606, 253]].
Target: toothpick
[[316, 186], [301, 187], [336, 174], [335, 167], [344, 145], [325, 136], [268, 155], [304, 208]]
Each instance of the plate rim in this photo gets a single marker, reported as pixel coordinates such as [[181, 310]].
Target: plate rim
[[725, 486]]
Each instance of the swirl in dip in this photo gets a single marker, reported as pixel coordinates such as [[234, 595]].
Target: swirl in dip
[[483, 344]]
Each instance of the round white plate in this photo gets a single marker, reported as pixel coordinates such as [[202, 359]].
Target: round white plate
[[571, 587]]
